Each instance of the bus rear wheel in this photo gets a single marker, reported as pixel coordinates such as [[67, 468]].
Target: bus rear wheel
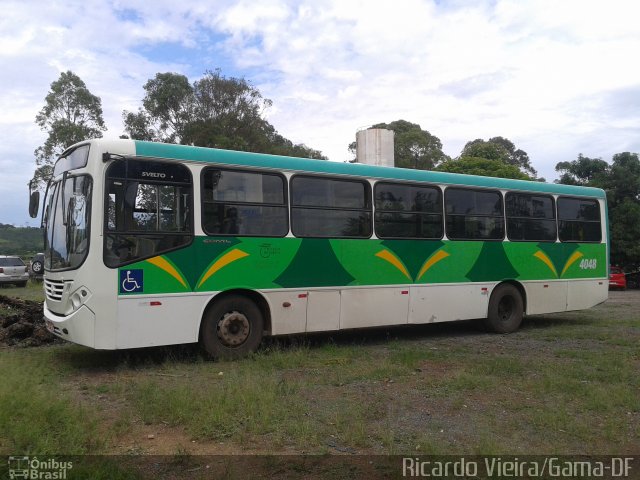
[[506, 309], [232, 328]]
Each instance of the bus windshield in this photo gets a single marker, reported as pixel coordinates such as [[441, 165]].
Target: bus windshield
[[66, 222]]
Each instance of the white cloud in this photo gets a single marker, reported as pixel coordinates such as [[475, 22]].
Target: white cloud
[[557, 78], [518, 71]]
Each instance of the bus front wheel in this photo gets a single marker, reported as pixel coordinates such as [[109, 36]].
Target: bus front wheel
[[506, 309], [232, 328]]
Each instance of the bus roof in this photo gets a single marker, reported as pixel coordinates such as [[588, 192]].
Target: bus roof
[[247, 159]]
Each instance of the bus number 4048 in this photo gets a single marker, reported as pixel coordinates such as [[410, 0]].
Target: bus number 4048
[[588, 263]]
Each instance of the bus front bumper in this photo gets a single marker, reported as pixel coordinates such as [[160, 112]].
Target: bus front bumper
[[78, 327]]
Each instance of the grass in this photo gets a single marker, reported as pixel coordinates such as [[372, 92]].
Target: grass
[[563, 384], [33, 291], [36, 417]]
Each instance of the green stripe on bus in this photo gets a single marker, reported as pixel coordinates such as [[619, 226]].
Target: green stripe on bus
[[224, 263]]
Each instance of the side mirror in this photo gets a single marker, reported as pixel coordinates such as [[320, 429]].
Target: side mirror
[[34, 204]]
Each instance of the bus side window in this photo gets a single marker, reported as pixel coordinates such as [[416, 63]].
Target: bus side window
[[473, 214], [145, 215], [238, 202], [408, 211], [231, 222], [530, 217], [579, 220], [329, 207]]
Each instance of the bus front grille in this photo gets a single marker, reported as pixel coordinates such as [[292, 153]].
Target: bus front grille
[[53, 289]]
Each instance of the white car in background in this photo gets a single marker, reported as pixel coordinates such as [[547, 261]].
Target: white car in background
[[13, 270]]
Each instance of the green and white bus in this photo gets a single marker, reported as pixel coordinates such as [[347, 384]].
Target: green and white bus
[[155, 244]]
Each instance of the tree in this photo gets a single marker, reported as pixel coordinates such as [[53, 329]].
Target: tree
[[71, 114], [215, 111], [228, 113], [621, 181], [413, 147], [285, 147], [23, 241], [140, 126], [500, 148], [479, 148], [582, 171], [482, 166], [625, 233], [496, 157], [169, 100]]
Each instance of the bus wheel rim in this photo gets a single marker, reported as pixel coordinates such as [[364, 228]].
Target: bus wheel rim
[[505, 309], [233, 329]]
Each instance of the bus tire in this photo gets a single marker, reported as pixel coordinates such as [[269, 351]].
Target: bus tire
[[506, 309], [231, 328]]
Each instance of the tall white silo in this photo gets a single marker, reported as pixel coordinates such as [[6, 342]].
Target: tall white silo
[[374, 146]]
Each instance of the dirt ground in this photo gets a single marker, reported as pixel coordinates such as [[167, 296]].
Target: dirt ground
[[22, 323]]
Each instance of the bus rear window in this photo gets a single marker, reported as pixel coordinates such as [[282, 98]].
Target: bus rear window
[[579, 220]]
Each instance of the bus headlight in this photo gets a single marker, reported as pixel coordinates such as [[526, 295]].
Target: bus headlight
[[79, 297]]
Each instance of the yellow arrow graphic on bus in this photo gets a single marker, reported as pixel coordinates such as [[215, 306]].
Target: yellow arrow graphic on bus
[[547, 261], [163, 264], [393, 260], [571, 261], [223, 261], [431, 261]]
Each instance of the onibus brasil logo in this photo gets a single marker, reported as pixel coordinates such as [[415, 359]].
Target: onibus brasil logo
[[34, 468]]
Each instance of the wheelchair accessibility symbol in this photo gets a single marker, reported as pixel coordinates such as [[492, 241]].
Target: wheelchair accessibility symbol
[[131, 281]]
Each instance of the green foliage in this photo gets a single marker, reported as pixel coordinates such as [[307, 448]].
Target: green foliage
[[501, 149], [625, 233], [139, 126], [482, 166], [480, 149], [413, 147], [417, 148], [621, 181], [582, 171], [22, 241], [622, 184], [169, 99], [216, 112], [71, 114]]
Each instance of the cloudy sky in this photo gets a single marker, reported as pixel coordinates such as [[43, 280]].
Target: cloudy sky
[[556, 77]]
